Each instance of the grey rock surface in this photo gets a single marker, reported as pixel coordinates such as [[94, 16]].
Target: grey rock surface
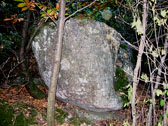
[[87, 70]]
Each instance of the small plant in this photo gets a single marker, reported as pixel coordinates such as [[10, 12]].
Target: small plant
[[129, 95], [60, 115], [125, 123]]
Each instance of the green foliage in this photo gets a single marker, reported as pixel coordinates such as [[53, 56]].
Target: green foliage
[[124, 46], [137, 24], [60, 115], [121, 85], [159, 92], [22, 109], [125, 123], [162, 102], [19, 0], [9, 40], [14, 115], [145, 78], [77, 122], [20, 120], [129, 96], [106, 11], [6, 115]]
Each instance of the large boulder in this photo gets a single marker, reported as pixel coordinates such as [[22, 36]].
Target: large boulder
[[87, 70]]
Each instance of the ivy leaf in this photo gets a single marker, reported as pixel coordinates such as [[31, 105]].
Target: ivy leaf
[[162, 102], [159, 92], [163, 13]]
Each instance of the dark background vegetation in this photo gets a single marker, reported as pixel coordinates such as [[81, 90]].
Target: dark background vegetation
[[13, 34]]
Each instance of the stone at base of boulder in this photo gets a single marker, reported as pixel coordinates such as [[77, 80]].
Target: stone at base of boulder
[[98, 116], [87, 107]]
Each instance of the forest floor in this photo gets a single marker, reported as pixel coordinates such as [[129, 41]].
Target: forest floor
[[19, 108]]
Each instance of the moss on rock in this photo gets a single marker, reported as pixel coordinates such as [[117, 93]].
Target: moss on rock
[[124, 46], [120, 84], [35, 91], [121, 79]]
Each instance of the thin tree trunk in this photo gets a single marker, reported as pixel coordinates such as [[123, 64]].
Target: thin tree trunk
[[22, 49], [56, 66], [138, 64]]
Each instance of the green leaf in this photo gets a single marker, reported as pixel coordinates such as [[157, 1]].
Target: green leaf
[[130, 93], [167, 93], [159, 124], [159, 92], [49, 11], [155, 54], [19, 0], [159, 22], [164, 21], [138, 26], [126, 123], [161, 118], [21, 5], [145, 78], [155, 18], [163, 13], [162, 102], [163, 52]]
